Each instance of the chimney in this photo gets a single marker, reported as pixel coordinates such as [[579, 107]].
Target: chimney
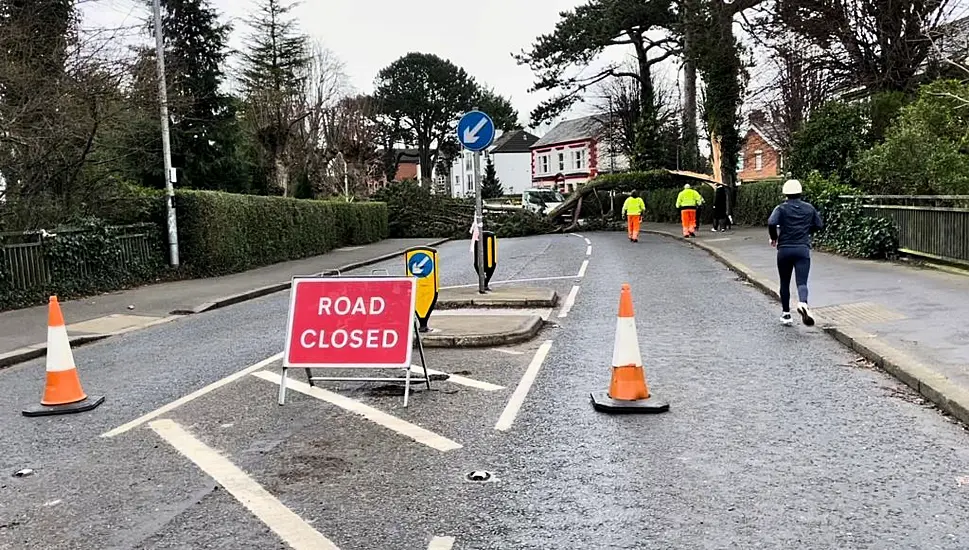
[[758, 118]]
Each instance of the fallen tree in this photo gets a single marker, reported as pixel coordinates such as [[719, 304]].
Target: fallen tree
[[615, 185]]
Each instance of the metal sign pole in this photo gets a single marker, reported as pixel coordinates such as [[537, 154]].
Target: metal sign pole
[[479, 219]]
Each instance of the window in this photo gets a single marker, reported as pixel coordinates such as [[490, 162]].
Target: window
[[457, 181], [578, 159], [740, 162], [758, 160], [470, 179], [561, 162], [543, 164], [467, 162]]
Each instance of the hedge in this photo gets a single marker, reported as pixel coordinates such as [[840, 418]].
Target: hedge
[[221, 233], [86, 259]]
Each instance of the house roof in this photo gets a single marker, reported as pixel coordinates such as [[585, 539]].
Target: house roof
[[767, 135], [515, 141], [572, 130]]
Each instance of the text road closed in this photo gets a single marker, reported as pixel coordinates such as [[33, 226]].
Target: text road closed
[[351, 322]]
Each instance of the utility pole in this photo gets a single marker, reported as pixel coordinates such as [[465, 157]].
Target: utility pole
[[166, 138]]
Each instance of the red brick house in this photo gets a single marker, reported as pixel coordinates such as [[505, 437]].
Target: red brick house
[[761, 156], [572, 153]]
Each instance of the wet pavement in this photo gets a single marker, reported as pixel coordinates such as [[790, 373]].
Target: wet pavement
[[776, 438]]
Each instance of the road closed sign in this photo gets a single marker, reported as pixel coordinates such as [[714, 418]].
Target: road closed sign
[[365, 322]]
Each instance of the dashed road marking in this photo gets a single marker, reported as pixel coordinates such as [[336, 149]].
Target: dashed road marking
[[514, 405], [588, 250], [587, 241], [295, 532], [441, 543], [569, 302], [508, 351], [460, 380], [585, 265], [418, 434], [577, 235], [192, 396]]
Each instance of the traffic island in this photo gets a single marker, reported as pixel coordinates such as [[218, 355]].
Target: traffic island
[[479, 331], [500, 297]]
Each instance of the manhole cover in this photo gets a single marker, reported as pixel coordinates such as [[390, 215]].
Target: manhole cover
[[480, 476]]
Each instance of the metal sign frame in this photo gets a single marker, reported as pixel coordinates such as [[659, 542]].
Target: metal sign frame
[[311, 379]]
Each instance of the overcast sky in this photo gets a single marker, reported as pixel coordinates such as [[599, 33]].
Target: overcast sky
[[368, 35]]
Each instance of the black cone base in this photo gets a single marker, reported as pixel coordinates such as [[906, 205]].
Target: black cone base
[[87, 404], [603, 403]]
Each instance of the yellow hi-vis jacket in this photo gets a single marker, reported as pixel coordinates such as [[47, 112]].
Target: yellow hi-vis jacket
[[689, 198], [634, 206]]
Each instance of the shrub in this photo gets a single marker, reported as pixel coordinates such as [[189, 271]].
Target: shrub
[[85, 259], [847, 229], [925, 150], [222, 233], [830, 141], [755, 202], [661, 205]]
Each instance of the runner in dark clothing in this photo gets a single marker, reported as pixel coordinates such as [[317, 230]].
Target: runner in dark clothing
[[796, 221]]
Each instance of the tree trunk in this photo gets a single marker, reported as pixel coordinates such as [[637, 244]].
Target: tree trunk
[[691, 154], [281, 176]]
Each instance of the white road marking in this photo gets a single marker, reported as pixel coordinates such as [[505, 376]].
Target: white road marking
[[418, 434], [295, 532], [194, 395], [507, 417], [587, 241], [588, 250], [585, 265], [511, 281], [508, 351], [577, 235], [569, 302], [441, 543], [717, 240], [460, 380]]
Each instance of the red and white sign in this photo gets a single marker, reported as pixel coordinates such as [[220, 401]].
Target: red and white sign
[[365, 322]]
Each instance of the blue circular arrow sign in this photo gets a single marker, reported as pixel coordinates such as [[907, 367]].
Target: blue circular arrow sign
[[476, 131], [421, 265]]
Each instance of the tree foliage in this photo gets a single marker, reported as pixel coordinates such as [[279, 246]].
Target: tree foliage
[[420, 98], [490, 184], [926, 148], [874, 44], [830, 141]]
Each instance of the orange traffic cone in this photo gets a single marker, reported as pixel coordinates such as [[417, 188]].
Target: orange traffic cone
[[628, 392], [63, 393]]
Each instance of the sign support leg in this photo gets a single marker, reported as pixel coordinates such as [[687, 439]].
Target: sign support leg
[[420, 350], [282, 387], [309, 377]]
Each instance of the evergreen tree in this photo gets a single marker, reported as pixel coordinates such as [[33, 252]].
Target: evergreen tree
[[206, 138], [274, 76], [490, 184]]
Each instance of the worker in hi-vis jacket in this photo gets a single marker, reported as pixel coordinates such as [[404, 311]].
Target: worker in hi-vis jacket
[[633, 210]]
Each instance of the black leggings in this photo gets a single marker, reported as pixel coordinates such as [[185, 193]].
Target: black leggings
[[797, 260]]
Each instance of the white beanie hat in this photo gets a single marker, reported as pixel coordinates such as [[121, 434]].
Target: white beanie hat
[[792, 187], [686, 186]]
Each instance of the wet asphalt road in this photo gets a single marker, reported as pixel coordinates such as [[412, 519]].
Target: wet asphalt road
[[776, 439]]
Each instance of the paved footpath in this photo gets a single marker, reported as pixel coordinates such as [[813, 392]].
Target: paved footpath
[[23, 331], [915, 320]]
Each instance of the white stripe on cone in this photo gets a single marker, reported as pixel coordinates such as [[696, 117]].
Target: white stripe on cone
[[625, 352], [59, 356]]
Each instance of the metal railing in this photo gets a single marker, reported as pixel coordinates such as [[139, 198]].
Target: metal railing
[[26, 262], [932, 226]]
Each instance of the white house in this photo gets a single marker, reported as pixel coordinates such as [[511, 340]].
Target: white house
[[511, 155]]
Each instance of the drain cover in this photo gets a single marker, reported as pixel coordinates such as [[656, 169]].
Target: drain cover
[[479, 476]]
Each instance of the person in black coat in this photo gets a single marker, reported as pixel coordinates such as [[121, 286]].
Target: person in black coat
[[720, 220]]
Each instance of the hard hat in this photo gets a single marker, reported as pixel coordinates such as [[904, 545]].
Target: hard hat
[[686, 186], [792, 187]]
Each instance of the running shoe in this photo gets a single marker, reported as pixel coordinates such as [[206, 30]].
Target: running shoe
[[805, 312], [786, 320]]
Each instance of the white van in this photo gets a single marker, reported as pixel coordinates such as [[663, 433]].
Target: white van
[[541, 201]]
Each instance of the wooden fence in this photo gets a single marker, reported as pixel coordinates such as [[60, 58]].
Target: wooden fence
[[26, 259], [932, 226]]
